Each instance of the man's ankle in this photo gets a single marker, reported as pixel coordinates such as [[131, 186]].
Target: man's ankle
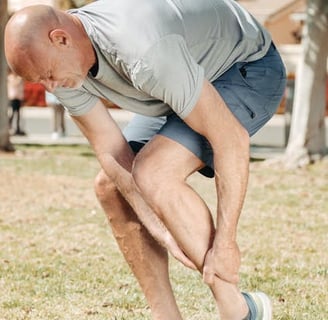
[[248, 317], [252, 312]]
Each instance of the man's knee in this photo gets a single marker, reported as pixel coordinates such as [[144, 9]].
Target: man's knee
[[142, 175], [119, 213], [104, 187], [152, 180]]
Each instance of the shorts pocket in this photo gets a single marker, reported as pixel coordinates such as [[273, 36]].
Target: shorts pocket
[[251, 72]]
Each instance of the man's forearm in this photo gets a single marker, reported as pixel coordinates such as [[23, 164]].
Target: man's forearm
[[231, 174], [116, 158], [230, 143], [223, 259], [127, 187], [113, 154], [125, 184]]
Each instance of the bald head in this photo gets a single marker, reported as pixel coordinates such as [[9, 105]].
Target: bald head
[[46, 45], [26, 32]]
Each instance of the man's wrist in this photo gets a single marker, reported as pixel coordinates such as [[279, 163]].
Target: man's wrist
[[224, 239]]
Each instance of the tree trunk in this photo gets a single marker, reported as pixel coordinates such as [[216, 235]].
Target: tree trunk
[[5, 144], [307, 136]]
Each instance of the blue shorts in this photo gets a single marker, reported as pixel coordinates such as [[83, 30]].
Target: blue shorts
[[251, 90]]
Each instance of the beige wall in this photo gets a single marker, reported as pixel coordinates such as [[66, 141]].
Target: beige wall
[[282, 30], [277, 17], [282, 25]]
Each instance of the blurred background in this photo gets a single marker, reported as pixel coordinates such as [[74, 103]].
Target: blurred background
[[299, 29]]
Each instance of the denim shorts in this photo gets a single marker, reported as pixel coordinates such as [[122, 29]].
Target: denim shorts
[[251, 90]]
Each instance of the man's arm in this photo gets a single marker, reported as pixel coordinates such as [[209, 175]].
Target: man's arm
[[230, 142], [114, 154]]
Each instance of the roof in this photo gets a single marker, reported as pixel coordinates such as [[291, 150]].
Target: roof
[[264, 10]]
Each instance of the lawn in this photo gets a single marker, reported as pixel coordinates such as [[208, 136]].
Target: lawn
[[59, 260]]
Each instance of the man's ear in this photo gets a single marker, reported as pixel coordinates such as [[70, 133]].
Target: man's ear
[[59, 37]]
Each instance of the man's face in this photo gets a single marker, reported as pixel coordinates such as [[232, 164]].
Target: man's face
[[57, 68]]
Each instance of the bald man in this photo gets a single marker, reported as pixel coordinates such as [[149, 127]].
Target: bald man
[[202, 77]]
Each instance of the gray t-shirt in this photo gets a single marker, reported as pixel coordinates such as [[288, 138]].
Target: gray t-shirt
[[153, 55]]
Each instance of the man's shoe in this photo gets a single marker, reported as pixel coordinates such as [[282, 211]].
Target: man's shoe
[[259, 305]]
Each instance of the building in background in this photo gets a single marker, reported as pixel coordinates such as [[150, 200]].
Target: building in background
[[283, 18]]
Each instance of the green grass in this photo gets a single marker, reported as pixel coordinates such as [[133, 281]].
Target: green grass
[[59, 260]]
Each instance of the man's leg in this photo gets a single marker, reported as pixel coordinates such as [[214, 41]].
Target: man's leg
[[18, 121], [62, 124], [11, 117], [160, 171], [148, 260]]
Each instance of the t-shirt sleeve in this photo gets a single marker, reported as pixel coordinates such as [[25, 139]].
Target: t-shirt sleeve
[[169, 73], [76, 101]]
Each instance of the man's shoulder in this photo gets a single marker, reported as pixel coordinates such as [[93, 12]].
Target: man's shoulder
[[123, 29]]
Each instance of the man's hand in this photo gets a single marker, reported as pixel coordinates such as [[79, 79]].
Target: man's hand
[[173, 248], [222, 261]]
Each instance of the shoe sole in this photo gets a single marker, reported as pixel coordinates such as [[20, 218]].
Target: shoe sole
[[267, 307]]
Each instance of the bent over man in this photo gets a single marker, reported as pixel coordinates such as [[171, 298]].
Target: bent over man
[[202, 77]]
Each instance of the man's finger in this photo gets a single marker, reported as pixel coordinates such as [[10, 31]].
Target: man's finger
[[178, 254], [174, 249], [208, 276]]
